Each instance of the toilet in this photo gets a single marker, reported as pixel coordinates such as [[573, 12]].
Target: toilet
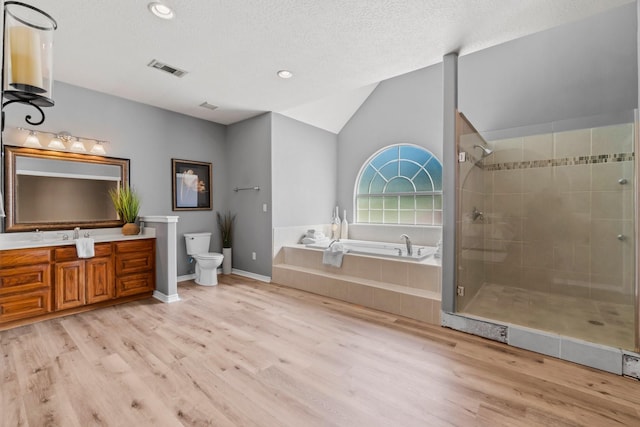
[[207, 263]]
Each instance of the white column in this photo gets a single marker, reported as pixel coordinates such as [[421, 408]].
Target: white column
[[166, 256]]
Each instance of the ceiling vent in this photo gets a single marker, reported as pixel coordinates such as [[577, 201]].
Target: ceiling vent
[[167, 68], [205, 104]]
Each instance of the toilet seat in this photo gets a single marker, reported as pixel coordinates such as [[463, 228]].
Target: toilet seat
[[209, 255]]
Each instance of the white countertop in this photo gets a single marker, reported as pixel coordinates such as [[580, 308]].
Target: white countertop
[[56, 238]]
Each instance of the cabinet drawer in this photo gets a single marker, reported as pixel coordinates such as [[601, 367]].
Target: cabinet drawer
[[69, 253], [16, 257], [134, 262], [135, 284], [24, 279], [144, 245], [25, 305]]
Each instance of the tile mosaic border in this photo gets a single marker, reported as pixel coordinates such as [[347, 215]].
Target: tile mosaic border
[[567, 161]]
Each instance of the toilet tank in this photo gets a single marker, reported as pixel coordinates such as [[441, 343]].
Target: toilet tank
[[197, 243]]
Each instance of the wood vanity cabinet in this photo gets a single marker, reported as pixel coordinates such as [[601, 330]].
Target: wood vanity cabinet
[[25, 283], [135, 267], [39, 283], [83, 281]]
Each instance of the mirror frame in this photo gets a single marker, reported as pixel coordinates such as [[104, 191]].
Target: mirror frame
[[10, 155]]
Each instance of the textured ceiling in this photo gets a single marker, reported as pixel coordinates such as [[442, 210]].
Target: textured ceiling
[[337, 49]]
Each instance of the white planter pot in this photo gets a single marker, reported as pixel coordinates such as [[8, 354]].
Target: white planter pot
[[226, 262]]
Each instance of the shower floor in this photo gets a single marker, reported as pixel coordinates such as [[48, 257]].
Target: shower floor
[[599, 322]]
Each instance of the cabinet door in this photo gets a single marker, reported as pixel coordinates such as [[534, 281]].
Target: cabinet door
[[100, 285], [70, 284]]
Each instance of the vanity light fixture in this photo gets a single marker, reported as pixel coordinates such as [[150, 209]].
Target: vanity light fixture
[[78, 146], [161, 10], [32, 140], [285, 74]]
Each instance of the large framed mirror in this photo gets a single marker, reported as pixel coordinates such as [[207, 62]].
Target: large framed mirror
[[53, 190]]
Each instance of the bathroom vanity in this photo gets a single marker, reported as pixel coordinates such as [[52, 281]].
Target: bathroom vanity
[[42, 279]]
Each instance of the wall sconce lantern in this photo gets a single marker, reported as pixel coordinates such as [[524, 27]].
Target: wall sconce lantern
[[27, 75]]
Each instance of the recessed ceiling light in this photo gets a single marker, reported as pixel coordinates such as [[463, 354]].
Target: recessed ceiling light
[[285, 74], [161, 10]]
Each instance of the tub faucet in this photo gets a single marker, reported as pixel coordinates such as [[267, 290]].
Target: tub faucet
[[407, 240], [332, 242]]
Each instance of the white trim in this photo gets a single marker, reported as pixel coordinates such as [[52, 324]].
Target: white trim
[[250, 275], [158, 218], [186, 277], [167, 299]]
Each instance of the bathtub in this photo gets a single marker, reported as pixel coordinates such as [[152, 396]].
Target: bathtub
[[384, 249]]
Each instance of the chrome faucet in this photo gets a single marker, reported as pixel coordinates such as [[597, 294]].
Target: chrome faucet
[[76, 233], [407, 240], [332, 242]]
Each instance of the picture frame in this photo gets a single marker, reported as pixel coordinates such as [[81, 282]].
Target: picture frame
[[191, 185]]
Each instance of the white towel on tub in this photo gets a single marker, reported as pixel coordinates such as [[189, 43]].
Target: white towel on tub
[[84, 247], [333, 255]]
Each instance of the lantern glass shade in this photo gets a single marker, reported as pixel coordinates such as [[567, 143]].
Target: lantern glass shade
[[28, 54]]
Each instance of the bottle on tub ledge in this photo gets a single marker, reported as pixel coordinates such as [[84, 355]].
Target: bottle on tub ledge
[[344, 227], [335, 225]]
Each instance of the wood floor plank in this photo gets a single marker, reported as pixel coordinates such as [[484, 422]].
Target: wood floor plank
[[246, 353]]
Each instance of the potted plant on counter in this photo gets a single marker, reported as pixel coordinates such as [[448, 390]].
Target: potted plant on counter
[[225, 224], [127, 204]]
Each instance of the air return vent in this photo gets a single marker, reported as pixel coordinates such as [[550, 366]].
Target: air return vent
[[167, 68], [205, 104]]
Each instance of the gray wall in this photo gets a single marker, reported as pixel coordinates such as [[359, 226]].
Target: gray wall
[[150, 137], [586, 68], [405, 109], [248, 165], [303, 172]]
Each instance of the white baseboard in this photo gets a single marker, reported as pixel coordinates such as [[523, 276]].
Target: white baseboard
[[167, 299], [250, 275], [186, 277]]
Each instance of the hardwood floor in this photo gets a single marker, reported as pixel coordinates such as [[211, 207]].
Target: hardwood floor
[[252, 354]]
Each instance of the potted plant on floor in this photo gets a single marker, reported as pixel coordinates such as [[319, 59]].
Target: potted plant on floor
[[225, 224], [127, 204]]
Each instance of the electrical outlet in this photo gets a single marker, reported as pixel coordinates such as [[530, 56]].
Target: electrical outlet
[[460, 291], [253, 256]]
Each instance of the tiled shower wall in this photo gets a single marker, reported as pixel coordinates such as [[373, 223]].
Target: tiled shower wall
[[558, 212]]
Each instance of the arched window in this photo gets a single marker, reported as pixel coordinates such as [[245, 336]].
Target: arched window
[[400, 184]]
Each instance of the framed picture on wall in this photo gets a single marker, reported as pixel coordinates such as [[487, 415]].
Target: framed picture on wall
[[191, 185]]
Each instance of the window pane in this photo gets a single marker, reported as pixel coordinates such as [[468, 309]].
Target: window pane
[[437, 218], [375, 217], [375, 203], [424, 202], [391, 202], [390, 217], [399, 185], [407, 217], [362, 203], [407, 202], [423, 182], [437, 202], [435, 170], [418, 154], [408, 169], [377, 185], [363, 216], [390, 171], [365, 179], [424, 217]]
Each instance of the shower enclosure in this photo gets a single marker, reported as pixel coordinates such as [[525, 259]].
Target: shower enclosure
[[546, 227]]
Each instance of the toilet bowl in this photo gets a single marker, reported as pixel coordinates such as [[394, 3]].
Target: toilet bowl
[[207, 268], [207, 263]]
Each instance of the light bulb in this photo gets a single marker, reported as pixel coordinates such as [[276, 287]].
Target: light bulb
[[98, 148], [56, 144], [161, 10], [32, 140], [78, 146]]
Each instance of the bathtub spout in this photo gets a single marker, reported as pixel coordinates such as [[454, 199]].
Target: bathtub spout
[[332, 242], [407, 240]]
